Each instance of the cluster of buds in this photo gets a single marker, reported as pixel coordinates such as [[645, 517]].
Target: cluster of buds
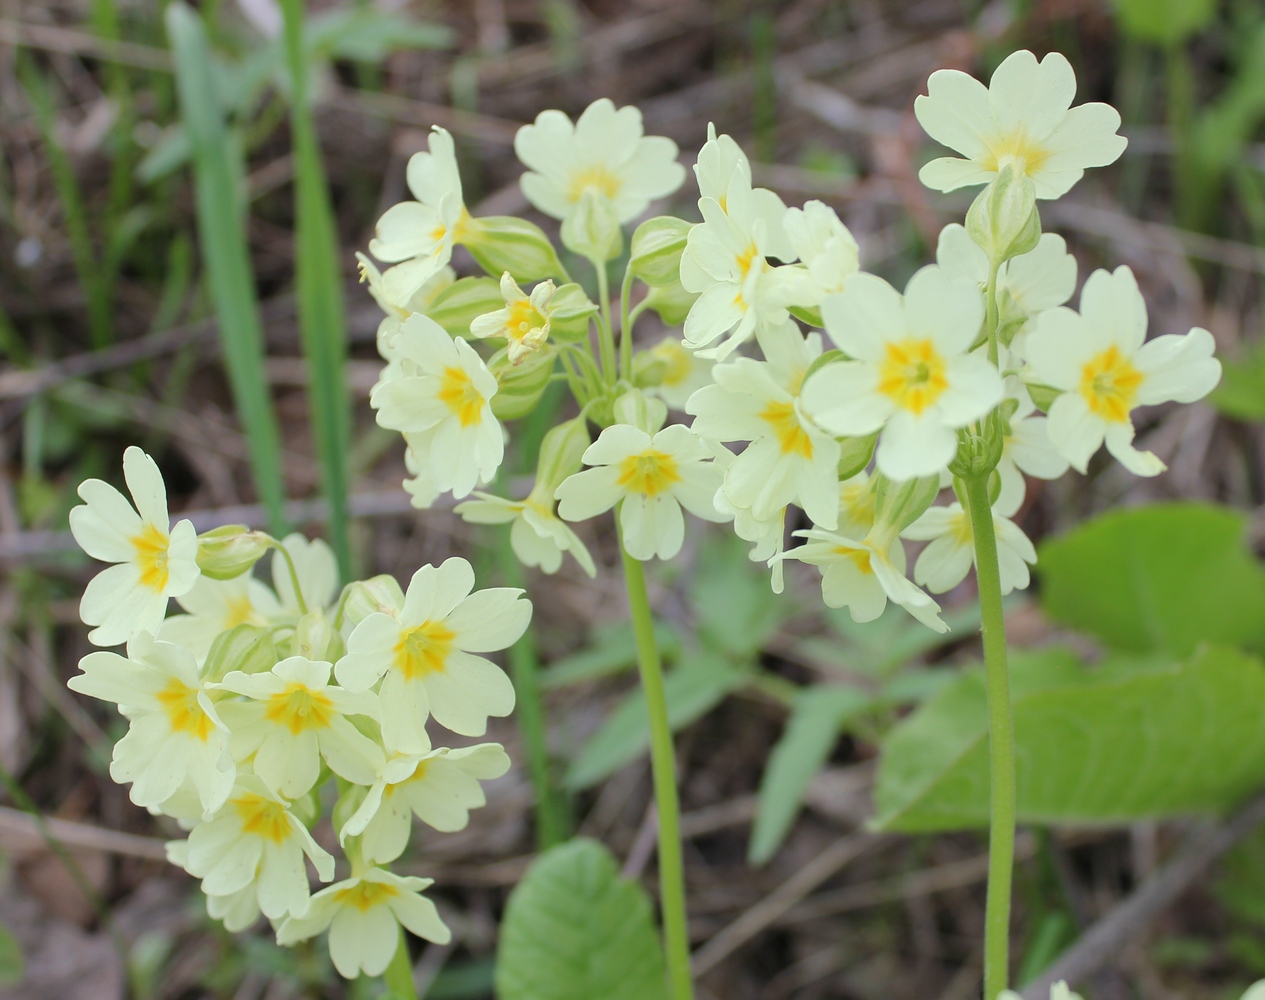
[[246, 707]]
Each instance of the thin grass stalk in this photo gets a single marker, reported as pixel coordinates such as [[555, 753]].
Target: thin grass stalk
[[222, 236], [319, 281]]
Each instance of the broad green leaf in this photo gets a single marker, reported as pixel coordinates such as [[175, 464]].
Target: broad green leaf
[[12, 964], [1242, 884], [574, 930], [1163, 577], [611, 652], [1128, 740], [818, 716], [693, 689], [1164, 22], [222, 237], [731, 598]]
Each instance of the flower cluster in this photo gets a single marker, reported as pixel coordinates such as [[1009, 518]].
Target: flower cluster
[[244, 708], [809, 385]]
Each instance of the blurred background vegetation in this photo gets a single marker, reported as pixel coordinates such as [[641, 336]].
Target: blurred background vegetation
[[181, 194]]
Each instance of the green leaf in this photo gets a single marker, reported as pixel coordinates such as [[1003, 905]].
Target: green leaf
[[1125, 741], [611, 651], [1163, 577], [12, 964], [367, 34], [732, 601], [1164, 22], [1241, 394], [811, 732], [880, 647], [222, 236], [319, 286], [574, 930], [693, 689]]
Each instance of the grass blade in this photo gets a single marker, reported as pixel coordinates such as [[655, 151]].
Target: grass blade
[[319, 286], [222, 236]]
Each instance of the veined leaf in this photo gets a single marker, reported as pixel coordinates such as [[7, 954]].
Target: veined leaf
[[1125, 741], [574, 930], [222, 236], [693, 689], [1163, 577], [816, 720]]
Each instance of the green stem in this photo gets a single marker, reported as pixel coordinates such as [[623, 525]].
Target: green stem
[[605, 332], [991, 319], [399, 974], [1001, 742], [663, 767], [294, 575], [625, 325]]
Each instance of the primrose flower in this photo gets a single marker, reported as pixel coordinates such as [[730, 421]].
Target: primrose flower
[[1024, 118], [537, 535], [824, 245], [722, 167], [423, 232], [254, 845], [651, 479], [215, 607], [911, 375], [439, 788], [316, 567], [789, 459], [423, 656], [944, 563], [606, 151], [767, 535], [175, 731], [682, 371], [442, 404], [863, 576], [293, 720], [1099, 360], [152, 563], [363, 915], [524, 322], [397, 295]]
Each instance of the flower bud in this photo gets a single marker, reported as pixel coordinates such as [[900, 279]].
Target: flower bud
[[520, 386], [569, 312], [456, 307], [379, 595], [641, 411], [980, 451], [656, 250], [248, 648], [230, 550], [503, 243], [560, 455], [855, 454], [1003, 220], [592, 229], [315, 638], [897, 505], [672, 302]]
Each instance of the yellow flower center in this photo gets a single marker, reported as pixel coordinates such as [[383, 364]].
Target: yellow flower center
[[790, 434], [423, 649], [677, 362], [1017, 149], [596, 177], [299, 708], [857, 501], [1109, 383], [960, 529], [185, 714], [746, 259], [523, 318], [151, 556], [365, 895], [239, 611], [461, 231], [419, 774], [262, 817], [912, 374], [650, 473], [859, 557], [457, 392]]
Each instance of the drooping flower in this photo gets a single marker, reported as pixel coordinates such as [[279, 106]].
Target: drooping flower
[[255, 845], [439, 788], [651, 479], [175, 732], [788, 458], [524, 322], [1024, 118], [537, 535], [423, 232], [152, 562], [441, 401], [363, 915], [606, 151], [910, 375], [1099, 360], [293, 720], [683, 372], [825, 247], [767, 535], [424, 657], [863, 576], [944, 563], [215, 606]]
